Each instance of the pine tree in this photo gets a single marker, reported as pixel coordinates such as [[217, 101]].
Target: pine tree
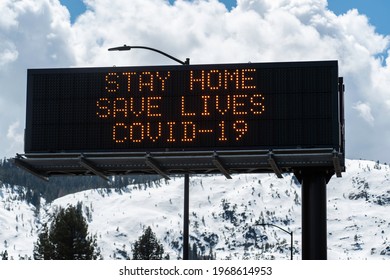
[[148, 247], [4, 256], [67, 238], [43, 249]]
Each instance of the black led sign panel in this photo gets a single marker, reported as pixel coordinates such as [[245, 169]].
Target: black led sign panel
[[183, 108]]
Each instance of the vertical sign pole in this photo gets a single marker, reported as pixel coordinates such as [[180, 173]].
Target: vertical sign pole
[[314, 226], [292, 245], [186, 217]]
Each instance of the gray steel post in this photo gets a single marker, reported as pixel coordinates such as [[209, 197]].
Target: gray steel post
[[314, 214], [186, 218]]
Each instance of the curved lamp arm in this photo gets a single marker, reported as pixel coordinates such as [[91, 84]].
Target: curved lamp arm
[[127, 48]]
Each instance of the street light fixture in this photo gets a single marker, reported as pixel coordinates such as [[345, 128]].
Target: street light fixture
[[286, 231], [127, 48]]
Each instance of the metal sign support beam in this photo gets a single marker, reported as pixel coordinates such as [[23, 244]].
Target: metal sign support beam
[[153, 164], [336, 164], [274, 166], [186, 218], [217, 162], [29, 169], [314, 222], [88, 165]]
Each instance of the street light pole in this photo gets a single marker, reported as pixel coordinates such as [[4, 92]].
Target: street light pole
[[282, 229], [186, 215], [127, 48]]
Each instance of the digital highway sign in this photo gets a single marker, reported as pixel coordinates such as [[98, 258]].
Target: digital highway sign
[[292, 105]]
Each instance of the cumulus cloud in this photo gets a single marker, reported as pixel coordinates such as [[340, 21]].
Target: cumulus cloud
[[364, 110], [206, 32], [8, 53], [14, 136]]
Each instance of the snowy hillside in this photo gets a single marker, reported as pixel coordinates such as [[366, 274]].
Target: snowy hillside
[[222, 215]]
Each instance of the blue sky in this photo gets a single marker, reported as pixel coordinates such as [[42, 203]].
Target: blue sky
[[376, 10]]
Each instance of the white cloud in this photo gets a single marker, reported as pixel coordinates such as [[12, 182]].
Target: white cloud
[[38, 34], [388, 104], [8, 53], [8, 16], [364, 110], [14, 136]]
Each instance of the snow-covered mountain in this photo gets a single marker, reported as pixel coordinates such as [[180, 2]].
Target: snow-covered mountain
[[222, 215]]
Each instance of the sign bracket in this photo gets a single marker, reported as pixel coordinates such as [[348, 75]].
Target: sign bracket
[[274, 166], [27, 167], [336, 164], [88, 165], [154, 165], [217, 162]]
